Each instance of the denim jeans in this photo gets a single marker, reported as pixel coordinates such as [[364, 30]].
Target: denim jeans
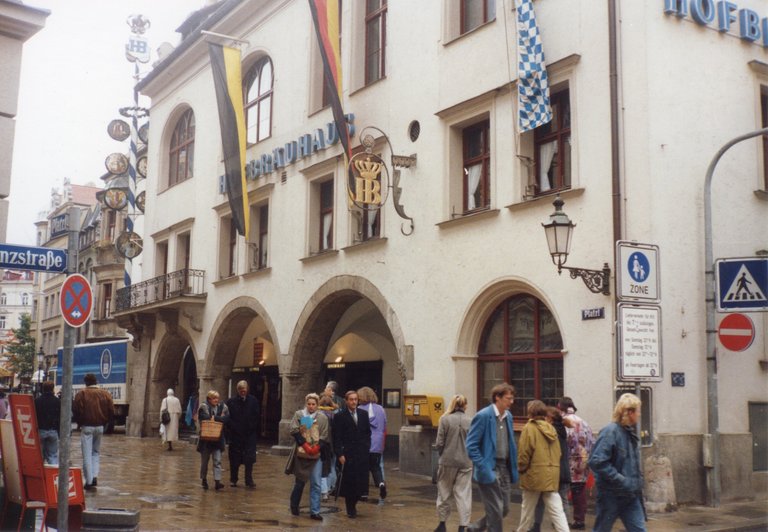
[[611, 506], [49, 440], [205, 455], [90, 442], [314, 489], [327, 483]]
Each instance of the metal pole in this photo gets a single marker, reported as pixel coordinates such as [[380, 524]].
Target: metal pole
[[713, 422], [65, 421]]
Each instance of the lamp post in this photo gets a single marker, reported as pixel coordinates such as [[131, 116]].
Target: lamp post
[[40, 372], [559, 232]]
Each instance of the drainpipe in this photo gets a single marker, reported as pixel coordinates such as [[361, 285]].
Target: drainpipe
[[613, 78], [713, 422]]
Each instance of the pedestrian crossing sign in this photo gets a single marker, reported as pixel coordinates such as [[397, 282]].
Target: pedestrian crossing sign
[[742, 284]]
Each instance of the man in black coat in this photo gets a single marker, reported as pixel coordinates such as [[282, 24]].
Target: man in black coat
[[242, 431], [351, 442]]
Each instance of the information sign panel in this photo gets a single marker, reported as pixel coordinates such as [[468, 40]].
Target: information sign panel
[[637, 272], [639, 343]]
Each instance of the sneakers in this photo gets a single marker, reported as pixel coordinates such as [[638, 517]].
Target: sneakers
[[325, 497], [233, 484], [382, 491]]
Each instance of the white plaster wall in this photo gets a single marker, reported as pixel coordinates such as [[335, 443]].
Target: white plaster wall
[[685, 91]]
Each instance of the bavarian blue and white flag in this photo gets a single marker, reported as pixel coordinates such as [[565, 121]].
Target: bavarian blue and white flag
[[533, 84]]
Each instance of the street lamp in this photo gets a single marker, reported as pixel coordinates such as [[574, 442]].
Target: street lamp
[[40, 371], [559, 232]]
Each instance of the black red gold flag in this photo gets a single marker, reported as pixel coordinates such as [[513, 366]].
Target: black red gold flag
[[227, 78], [325, 16]]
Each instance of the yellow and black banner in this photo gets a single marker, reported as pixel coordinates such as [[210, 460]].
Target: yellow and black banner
[[227, 78]]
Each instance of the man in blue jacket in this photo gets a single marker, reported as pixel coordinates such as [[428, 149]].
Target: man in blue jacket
[[615, 461], [491, 447]]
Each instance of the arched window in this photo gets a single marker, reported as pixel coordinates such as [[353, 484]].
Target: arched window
[[182, 150], [24, 299], [3, 299], [257, 88], [521, 345]]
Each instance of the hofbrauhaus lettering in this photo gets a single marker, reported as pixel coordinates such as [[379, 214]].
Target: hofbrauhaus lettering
[[306, 145]]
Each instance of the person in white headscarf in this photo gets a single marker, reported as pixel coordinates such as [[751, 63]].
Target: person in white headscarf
[[170, 430]]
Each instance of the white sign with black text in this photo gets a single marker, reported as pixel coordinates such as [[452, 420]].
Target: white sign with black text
[[639, 343]]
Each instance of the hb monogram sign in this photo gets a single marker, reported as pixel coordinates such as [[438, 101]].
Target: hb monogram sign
[[371, 181]]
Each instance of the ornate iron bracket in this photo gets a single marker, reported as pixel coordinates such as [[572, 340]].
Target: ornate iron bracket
[[598, 281]]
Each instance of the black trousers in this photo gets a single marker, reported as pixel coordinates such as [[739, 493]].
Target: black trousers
[[237, 457]]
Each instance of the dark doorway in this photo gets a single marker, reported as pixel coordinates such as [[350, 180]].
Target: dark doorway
[[264, 383], [354, 375]]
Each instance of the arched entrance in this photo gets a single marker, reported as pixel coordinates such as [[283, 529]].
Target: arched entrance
[[347, 333], [242, 348], [521, 344], [175, 368]]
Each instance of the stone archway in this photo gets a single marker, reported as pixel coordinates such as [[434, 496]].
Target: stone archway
[[473, 323], [165, 371], [229, 327], [301, 367]]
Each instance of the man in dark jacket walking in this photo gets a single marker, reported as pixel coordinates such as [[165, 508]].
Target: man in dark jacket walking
[[92, 408], [242, 429], [615, 461], [48, 411], [351, 442]]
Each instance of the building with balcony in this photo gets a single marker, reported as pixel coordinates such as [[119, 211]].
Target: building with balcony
[[97, 261], [450, 287]]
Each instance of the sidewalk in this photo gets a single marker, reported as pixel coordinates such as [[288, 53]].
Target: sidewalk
[[164, 486]]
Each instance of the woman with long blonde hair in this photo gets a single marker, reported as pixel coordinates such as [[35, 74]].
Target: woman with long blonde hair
[[454, 473]]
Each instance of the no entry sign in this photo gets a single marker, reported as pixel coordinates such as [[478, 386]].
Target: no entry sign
[[76, 300], [736, 332]]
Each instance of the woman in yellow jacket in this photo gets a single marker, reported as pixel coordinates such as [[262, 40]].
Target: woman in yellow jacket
[[538, 460]]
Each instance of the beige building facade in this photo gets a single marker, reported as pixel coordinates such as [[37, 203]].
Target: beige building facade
[[463, 295]]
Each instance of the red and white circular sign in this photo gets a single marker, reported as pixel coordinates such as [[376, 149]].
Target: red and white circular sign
[[76, 300], [736, 332]]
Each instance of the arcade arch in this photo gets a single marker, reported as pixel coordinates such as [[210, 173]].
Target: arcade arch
[[347, 332]]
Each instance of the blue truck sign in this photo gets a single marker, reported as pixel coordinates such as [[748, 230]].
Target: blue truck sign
[[33, 258], [106, 360]]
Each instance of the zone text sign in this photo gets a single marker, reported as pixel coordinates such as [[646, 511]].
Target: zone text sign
[[33, 258], [639, 343], [637, 270]]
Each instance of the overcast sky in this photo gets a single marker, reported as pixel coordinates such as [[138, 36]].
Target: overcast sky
[[74, 79]]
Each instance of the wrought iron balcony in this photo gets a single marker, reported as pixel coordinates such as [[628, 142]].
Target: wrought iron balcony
[[163, 288]]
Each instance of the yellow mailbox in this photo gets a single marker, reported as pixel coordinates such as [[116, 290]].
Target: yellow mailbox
[[424, 409]]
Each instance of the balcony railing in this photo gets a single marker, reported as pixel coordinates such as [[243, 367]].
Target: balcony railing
[[166, 287]]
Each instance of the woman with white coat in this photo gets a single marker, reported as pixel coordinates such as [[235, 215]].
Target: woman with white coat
[[172, 405]]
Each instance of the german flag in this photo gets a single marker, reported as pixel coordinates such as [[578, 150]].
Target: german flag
[[227, 78], [325, 15]]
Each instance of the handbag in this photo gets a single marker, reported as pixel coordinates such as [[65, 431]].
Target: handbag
[[210, 430], [291, 461], [165, 417], [306, 456]]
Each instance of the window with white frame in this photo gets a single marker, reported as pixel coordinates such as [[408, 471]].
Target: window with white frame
[[321, 215], [3, 322], [3, 299], [475, 13], [258, 248], [375, 39], [24, 299], [227, 247], [552, 146], [476, 168], [257, 89], [182, 149], [106, 301]]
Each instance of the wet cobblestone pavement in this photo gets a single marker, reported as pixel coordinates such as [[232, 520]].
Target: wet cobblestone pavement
[[140, 474]]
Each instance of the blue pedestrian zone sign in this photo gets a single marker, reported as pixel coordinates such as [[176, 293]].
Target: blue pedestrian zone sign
[[637, 272], [742, 284]]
